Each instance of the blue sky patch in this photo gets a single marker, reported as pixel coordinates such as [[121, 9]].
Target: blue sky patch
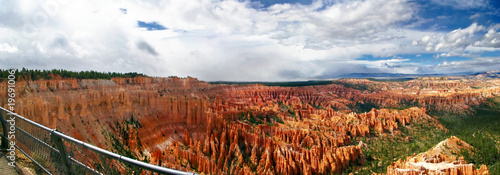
[[151, 25], [124, 11], [490, 54], [447, 18]]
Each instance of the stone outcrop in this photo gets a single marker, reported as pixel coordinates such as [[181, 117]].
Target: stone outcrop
[[191, 125], [441, 159]]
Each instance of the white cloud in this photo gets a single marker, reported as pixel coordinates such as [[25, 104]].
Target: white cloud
[[343, 24], [377, 63], [215, 40], [5, 47], [452, 54], [490, 39], [477, 64], [477, 15], [212, 40], [470, 39], [472, 65]]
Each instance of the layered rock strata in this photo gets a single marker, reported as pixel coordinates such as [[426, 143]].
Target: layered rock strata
[[238, 129]]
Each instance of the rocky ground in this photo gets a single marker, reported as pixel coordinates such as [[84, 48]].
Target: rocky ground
[[251, 129]]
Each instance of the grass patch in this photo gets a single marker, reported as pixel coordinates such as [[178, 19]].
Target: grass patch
[[361, 87], [406, 104], [288, 109], [362, 107], [254, 119], [315, 106], [381, 151], [482, 131], [120, 141]]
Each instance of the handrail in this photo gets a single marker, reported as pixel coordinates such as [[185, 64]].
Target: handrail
[[117, 157], [29, 157], [124, 159]]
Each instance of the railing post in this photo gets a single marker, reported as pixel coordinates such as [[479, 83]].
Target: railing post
[[62, 151], [5, 143]]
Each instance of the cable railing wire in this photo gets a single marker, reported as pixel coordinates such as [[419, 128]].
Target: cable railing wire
[[56, 153]]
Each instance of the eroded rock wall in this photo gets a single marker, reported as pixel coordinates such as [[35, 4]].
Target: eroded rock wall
[[238, 129]]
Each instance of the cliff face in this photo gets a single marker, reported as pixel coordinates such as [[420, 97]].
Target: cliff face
[[79, 106], [452, 96], [192, 125], [441, 159]]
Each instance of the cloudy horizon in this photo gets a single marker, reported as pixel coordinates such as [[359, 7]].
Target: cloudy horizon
[[247, 40]]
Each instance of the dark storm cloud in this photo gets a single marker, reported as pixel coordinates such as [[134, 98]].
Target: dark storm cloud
[[144, 46], [337, 70], [290, 74], [60, 41]]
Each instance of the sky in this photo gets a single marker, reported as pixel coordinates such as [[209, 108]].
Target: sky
[[252, 40]]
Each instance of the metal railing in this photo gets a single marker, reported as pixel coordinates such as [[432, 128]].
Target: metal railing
[[56, 153]]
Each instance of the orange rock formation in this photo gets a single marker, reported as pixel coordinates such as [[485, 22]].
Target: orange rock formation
[[440, 159], [195, 126]]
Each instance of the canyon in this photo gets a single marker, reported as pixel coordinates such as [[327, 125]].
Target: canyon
[[195, 126]]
